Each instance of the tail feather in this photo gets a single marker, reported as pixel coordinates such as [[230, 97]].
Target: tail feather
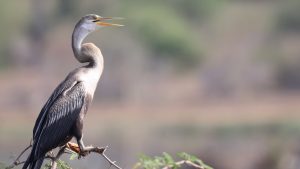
[[33, 164], [28, 161], [37, 164]]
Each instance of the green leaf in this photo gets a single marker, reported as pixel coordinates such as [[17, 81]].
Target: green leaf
[[158, 162], [73, 156], [184, 156], [193, 159], [63, 165], [147, 162], [168, 158]]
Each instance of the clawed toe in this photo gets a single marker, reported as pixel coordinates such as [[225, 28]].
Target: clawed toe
[[83, 154], [100, 149]]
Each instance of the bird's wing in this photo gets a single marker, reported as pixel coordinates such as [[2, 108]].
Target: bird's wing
[[65, 85], [59, 119]]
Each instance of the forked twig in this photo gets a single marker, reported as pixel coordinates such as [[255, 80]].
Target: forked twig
[[17, 161], [110, 161]]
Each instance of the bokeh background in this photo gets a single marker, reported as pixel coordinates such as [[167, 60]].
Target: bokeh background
[[217, 78]]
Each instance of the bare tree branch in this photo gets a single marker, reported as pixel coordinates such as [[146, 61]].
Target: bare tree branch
[[110, 162], [99, 150], [54, 160], [69, 147], [17, 161]]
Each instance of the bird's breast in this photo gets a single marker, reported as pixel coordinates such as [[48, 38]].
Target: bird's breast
[[90, 80], [91, 87]]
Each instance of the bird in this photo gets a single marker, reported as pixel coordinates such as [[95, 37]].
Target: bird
[[61, 118]]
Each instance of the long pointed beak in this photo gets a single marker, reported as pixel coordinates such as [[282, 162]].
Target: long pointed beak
[[100, 22]]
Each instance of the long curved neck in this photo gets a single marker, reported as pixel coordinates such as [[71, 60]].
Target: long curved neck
[[78, 36]]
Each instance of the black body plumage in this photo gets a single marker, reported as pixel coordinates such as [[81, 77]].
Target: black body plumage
[[58, 121]]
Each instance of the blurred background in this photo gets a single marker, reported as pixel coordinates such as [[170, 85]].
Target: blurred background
[[219, 79]]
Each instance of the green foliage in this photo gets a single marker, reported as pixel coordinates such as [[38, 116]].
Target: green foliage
[[165, 28], [193, 159], [157, 162], [165, 33], [166, 160], [60, 165], [73, 156], [196, 10], [63, 165]]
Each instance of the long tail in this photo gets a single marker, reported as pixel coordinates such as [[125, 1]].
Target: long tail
[[33, 164]]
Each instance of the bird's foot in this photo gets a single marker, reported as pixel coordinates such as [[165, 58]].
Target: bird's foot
[[83, 154], [73, 146], [86, 150]]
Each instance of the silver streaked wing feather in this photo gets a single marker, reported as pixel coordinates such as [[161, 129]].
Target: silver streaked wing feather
[[60, 89], [60, 118]]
